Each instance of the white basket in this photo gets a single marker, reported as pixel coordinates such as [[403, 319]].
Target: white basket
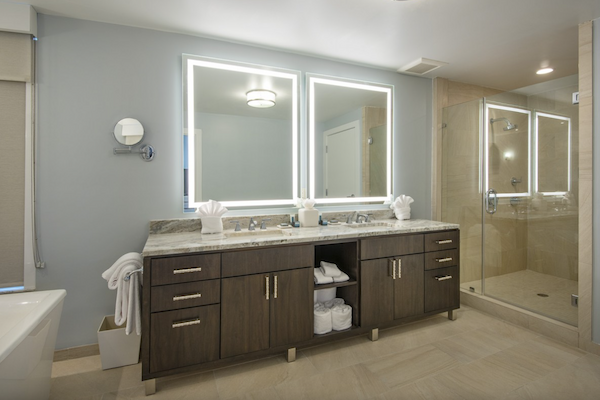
[[116, 348]]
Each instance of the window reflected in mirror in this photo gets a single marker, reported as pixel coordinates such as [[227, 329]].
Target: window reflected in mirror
[[350, 140], [240, 133]]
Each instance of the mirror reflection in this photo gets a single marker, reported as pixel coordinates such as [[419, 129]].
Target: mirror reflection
[[553, 153], [350, 129], [129, 131], [240, 133]]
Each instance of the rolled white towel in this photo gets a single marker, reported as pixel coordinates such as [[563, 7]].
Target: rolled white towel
[[323, 322], [324, 295], [318, 305], [334, 302], [341, 317], [321, 279], [330, 269], [342, 277]]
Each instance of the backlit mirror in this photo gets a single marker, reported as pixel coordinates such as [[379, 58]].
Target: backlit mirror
[[240, 133], [553, 138], [350, 140]]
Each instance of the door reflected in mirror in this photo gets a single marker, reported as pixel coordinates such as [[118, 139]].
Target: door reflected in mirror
[[350, 140], [237, 150]]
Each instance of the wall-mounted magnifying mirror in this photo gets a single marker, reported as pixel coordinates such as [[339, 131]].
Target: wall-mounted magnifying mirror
[[350, 140], [240, 133], [553, 153], [129, 131]]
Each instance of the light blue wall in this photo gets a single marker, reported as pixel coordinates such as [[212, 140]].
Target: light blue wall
[[94, 206]]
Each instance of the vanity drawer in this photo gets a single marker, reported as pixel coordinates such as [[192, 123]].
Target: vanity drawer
[[441, 289], [185, 269], [390, 246], [441, 240], [247, 262], [184, 295], [184, 337], [441, 259]]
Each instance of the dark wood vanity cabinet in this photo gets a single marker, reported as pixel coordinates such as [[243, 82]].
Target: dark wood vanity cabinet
[[408, 275], [263, 309], [214, 309]]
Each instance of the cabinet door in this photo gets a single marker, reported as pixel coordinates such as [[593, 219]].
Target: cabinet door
[[376, 292], [291, 306], [442, 289], [408, 286], [244, 314]]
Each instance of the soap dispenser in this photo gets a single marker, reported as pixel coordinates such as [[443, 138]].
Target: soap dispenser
[[308, 216]]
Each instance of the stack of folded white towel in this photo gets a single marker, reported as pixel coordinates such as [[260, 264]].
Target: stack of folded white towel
[[401, 206], [332, 315], [328, 273], [127, 306]]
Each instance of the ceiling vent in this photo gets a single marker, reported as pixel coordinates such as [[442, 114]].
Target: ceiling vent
[[421, 66]]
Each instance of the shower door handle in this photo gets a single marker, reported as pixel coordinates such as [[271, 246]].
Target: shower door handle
[[491, 201]]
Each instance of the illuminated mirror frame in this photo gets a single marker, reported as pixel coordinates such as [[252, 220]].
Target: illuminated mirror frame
[[561, 118], [189, 62], [486, 136], [388, 91]]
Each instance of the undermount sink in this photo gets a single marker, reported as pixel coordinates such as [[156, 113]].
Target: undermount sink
[[365, 225], [257, 232]]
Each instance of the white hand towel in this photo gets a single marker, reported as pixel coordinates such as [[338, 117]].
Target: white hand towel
[[341, 317], [334, 302], [127, 304], [321, 279], [330, 269], [342, 277], [210, 215], [323, 322]]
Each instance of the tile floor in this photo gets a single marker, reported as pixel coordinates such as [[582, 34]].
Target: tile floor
[[474, 357], [521, 289]]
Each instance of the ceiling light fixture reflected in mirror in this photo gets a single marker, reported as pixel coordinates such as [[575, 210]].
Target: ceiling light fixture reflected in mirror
[[260, 98], [544, 71]]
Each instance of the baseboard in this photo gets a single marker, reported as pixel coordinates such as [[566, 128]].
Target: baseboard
[[76, 352]]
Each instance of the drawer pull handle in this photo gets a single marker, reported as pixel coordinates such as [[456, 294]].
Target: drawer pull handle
[[186, 270], [267, 287], [443, 260], [275, 287], [393, 265], [446, 241], [443, 278], [186, 323], [187, 296]]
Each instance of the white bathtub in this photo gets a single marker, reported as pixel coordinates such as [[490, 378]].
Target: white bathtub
[[28, 328]]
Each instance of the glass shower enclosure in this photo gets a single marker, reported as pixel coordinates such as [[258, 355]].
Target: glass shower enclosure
[[509, 178]]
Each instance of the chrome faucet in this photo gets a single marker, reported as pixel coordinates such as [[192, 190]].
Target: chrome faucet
[[262, 223], [349, 219], [237, 225], [252, 224], [359, 216]]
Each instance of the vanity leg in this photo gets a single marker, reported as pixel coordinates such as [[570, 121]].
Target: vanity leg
[[150, 386], [374, 335], [291, 355], [452, 315]]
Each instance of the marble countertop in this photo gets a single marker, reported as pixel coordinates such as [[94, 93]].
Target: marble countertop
[[159, 244]]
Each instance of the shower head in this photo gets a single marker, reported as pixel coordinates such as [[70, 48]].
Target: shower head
[[509, 126]]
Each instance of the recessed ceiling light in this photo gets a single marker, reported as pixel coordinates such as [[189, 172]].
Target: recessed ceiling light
[[544, 71]]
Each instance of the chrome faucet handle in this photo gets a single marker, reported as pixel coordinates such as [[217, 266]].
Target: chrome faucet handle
[[367, 219], [251, 224], [262, 223], [237, 225], [349, 217]]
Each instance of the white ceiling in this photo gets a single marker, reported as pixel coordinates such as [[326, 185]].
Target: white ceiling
[[495, 43]]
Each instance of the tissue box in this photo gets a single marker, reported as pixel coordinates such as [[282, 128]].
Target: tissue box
[[211, 225]]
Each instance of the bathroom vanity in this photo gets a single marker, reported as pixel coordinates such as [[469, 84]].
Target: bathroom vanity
[[214, 301]]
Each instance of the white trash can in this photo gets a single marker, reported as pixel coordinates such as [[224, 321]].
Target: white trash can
[[116, 348]]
